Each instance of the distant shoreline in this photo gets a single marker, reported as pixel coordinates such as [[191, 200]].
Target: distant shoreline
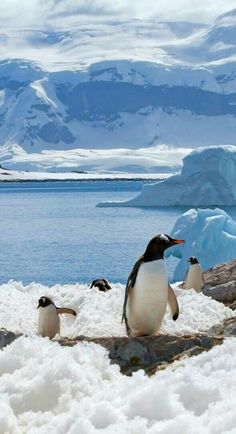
[[13, 176]]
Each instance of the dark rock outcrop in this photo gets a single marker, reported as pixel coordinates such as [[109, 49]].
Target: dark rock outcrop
[[220, 274], [227, 329], [224, 293], [149, 353], [7, 337], [220, 283]]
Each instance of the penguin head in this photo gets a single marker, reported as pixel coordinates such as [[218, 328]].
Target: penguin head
[[157, 246], [193, 260], [44, 302], [101, 284]]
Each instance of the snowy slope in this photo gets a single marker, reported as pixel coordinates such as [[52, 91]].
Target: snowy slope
[[46, 388], [153, 84]]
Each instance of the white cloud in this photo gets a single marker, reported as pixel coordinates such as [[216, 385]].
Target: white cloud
[[47, 13]]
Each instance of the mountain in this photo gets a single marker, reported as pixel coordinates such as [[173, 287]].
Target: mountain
[[159, 83]]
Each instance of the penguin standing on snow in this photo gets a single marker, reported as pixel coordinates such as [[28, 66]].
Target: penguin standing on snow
[[194, 276], [147, 291], [49, 320]]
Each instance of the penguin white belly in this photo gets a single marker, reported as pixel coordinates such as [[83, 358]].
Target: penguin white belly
[[194, 278], [148, 299], [48, 322]]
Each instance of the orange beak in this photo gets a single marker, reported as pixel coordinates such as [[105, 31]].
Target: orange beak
[[178, 241]]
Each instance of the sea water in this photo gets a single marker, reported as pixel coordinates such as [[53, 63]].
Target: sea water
[[52, 232]]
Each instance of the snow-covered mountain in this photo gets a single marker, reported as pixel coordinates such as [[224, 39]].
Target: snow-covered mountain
[[130, 85]]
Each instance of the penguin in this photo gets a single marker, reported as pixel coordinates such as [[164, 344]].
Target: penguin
[[101, 284], [49, 320], [147, 290], [194, 276]]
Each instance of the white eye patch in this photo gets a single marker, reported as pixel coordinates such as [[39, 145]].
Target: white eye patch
[[43, 300], [164, 238]]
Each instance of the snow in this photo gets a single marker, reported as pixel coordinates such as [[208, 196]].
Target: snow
[[48, 388], [156, 159], [207, 179], [38, 86], [209, 234], [197, 312]]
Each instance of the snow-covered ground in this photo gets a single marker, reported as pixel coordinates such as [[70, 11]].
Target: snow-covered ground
[[207, 178], [49, 389], [99, 314]]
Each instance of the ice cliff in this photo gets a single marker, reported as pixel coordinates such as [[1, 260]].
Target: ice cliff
[[208, 178], [209, 234]]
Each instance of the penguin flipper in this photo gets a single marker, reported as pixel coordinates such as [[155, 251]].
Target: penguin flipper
[[129, 285], [184, 281], [203, 282], [61, 310], [173, 303]]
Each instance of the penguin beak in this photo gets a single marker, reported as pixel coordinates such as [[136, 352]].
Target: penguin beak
[[178, 241], [38, 306]]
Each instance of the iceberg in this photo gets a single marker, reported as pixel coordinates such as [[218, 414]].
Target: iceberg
[[207, 178], [209, 234]]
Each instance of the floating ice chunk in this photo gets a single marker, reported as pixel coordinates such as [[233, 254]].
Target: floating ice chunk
[[207, 178], [209, 234]]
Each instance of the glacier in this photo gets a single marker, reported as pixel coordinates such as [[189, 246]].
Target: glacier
[[169, 83], [209, 234], [207, 178]]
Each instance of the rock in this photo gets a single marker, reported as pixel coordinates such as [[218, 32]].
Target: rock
[[7, 337], [220, 283], [220, 274], [149, 353], [225, 292], [228, 328], [233, 305]]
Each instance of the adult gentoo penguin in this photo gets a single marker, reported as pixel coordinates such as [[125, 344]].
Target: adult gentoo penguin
[[194, 276], [147, 290], [101, 284], [49, 320]]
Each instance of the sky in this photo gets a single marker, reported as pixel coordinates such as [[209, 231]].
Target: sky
[[60, 13]]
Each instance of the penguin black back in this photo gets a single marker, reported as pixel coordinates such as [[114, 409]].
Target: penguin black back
[[101, 284]]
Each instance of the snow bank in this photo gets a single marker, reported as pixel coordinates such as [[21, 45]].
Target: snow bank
[[209, 234], [99, 314], [207, 178], [49, 389]]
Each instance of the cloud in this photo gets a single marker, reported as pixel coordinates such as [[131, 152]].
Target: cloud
[[49, 13]]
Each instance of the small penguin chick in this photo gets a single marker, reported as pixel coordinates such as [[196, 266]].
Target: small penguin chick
[[194, 276], [49, 320], [101, 284]]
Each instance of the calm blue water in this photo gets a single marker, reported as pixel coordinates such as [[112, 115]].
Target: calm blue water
[[53, 232]]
